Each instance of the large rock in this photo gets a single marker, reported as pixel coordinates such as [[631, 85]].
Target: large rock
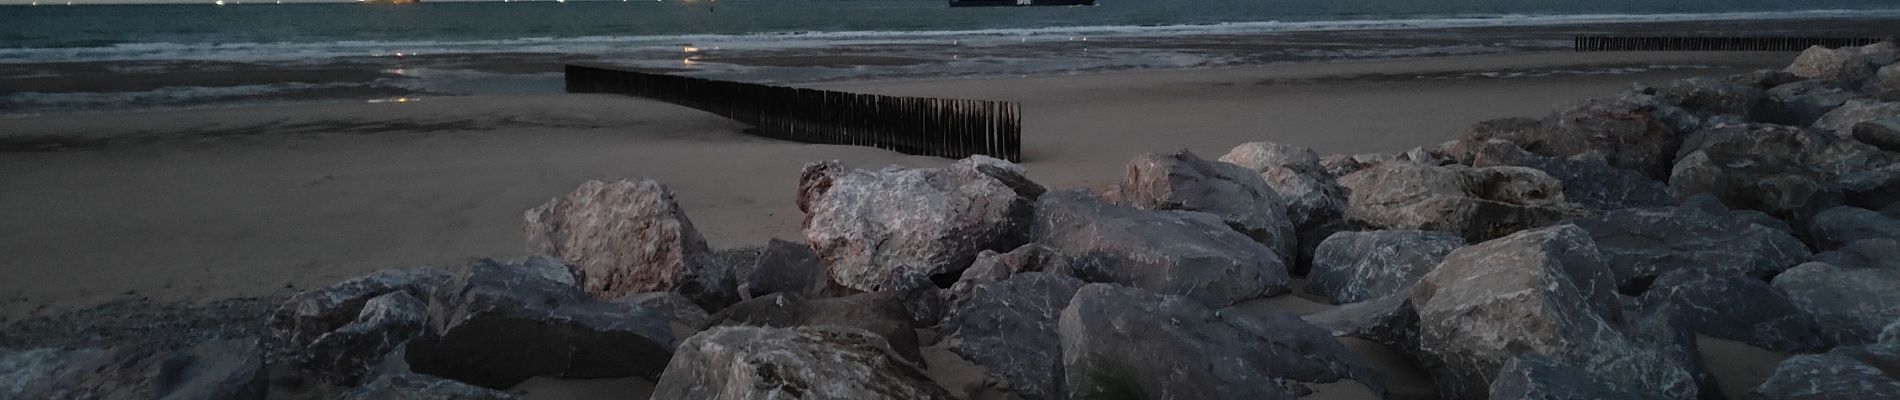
[[344, 355], [421, 387], [1737, 308], [991, 266], [1789, 173], [1009, 328], [881, 313], [312, 314], [1842, 64], [1713, 96], [1314, 200], [1476, 203], [786, 267], [494, 325], [1865, 254], [1586, 181], [1536, 377], [1356, 266], [732, 363], [1183, 253], [1886, 83], [1183, 181], [1545, 291], [1641, 244], [1803, 103], [1123, 343], [1636, 132], [865, 224], [228, 369], [1842, 120], [1851, 304], [1882, 133], [1839, 226], [1833, 375], [629, 237]]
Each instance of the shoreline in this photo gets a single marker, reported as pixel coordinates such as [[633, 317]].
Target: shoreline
[[79, 85]]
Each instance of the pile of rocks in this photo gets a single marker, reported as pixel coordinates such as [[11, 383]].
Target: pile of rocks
[[1574, 256]]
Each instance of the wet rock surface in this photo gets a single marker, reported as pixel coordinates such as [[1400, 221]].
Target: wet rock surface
[[1738, 308]]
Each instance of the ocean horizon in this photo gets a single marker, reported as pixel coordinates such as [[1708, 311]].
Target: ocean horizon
[[269, 52]]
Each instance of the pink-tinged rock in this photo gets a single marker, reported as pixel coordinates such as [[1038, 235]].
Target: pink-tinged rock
[[629, 237]]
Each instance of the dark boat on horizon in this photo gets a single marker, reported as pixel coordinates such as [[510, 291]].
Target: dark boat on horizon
[[1012, 3]]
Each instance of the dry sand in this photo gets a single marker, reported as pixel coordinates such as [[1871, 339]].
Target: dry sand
[[212, 203]]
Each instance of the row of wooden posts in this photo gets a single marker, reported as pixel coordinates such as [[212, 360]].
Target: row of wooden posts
[[1626, 43], [950, 128]]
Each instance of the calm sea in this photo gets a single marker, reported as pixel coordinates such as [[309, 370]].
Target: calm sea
[[869, 38]]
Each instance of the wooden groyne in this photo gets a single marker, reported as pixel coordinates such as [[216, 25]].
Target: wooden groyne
[[1663, 43], [949, 128]]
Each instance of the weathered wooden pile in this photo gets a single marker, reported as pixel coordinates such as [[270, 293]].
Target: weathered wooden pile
[[1574, 256]]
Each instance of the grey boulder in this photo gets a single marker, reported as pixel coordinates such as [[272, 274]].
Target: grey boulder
[[1183, 253], [1537, 377], [1350, 267], [1852, 305], [1713, 96], [991, 266], [1802, 103], [863, 224], [1842, 64], [1841, 121], [1314, 200], [1475, 203], [1114, 339], [494, 325], [629, 237], [1183, 181], [1545, 291], [1641, 244], [675, 307], [881, 313], [1832, 375], [1589, 182], [1882, 133], [757, 363], [1737, 308], [786, 267], [311, 314], [1839, 226], [1009, 328], [344, 355]]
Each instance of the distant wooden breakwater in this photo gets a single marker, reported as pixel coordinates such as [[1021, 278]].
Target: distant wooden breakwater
[[950, 128], [1663, 43]]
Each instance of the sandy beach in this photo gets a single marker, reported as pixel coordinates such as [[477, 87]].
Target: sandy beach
[[200, 204], [248, 201]]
